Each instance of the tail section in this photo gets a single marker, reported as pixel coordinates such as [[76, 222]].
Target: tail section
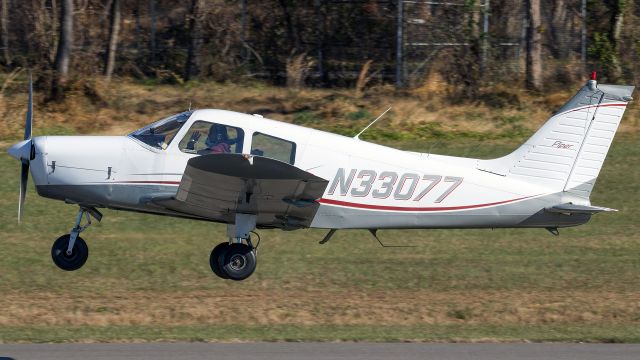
[[567, 153], [597, 139]]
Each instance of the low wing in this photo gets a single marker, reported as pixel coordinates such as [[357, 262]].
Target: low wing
[[218, 186], [577, 209]]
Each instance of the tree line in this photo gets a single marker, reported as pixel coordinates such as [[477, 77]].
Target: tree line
[[319, 43]]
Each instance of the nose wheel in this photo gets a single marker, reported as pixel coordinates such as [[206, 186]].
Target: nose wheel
[[69, 261], [69, 252], [236, 261]]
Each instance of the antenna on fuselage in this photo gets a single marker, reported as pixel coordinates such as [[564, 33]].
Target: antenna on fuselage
[[357, 137], [189, 106]]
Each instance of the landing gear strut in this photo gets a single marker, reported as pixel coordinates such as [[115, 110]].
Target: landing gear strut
[[69, 252], [236, 259]]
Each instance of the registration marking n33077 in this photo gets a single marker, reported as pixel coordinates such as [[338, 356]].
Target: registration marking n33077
[[390, 184]]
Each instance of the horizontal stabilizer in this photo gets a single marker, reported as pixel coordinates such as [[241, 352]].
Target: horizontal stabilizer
[[577, 209]]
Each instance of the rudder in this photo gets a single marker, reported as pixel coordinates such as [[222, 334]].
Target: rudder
[[567, 152], [598, 138]]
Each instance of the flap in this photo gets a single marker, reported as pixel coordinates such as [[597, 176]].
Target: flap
[[217, 186]]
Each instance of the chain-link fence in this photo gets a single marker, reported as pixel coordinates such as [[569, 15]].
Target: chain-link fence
[[410, 40], [492, 32], [328, 42]]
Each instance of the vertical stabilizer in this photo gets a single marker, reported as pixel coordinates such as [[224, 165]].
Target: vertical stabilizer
[[567, 153]]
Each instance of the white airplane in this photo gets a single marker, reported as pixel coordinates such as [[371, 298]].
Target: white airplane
[[253, 173]]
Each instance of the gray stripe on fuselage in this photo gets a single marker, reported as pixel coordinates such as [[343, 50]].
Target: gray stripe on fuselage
[[133, 197], [524, 213]]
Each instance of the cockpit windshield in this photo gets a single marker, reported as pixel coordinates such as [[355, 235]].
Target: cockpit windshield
[[160, 133]]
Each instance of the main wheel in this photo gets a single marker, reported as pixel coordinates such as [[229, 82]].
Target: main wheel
[[239, 262], [216, 258], [79, 253]]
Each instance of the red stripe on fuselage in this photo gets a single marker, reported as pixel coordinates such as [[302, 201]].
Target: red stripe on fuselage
[[147, 182], [403, 208]]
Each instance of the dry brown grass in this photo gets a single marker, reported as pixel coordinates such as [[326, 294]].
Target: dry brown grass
[[297, 68], [123, 105], [245, 307], [364, 77]]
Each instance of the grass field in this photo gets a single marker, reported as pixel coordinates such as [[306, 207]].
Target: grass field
[[148, 278]]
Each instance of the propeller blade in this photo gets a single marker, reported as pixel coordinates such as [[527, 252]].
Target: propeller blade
[[24, 177], [29, 120]]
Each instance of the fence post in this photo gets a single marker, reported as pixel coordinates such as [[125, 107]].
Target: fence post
[[320, 20], [399, 46], [243, 31], [583, 34], [154, 16], [485, 35]]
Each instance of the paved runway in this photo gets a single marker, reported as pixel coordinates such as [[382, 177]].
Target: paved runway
[[319, 351]]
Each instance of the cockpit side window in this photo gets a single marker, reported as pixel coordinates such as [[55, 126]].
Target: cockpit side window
[[160, 133], [212, 138], [273, 147]]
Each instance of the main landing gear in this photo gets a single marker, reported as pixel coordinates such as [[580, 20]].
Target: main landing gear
[[234, 261], [236, 258], [69, 252]]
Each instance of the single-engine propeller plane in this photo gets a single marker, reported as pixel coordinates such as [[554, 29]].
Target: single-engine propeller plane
[[253, 173]]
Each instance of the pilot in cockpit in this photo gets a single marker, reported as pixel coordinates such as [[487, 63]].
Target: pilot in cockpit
[[217, 140]]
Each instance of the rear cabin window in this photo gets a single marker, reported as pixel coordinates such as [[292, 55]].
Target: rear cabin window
[[273, 147], [212, 138]]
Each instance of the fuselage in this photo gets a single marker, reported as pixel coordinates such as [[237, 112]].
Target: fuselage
[[370, 186]]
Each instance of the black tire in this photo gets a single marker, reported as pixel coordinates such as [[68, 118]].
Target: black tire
[[78, 257], [239, 262], [216, 258]]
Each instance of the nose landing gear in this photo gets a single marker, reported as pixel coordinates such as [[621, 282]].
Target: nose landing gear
[[70, 252]]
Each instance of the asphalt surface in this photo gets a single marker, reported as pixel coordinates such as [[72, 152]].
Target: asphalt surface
[[317, 351]]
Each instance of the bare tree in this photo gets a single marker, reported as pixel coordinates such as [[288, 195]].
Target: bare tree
[[192, 66], [114, 29], [63, 55], [617, 8], [264, 38], [136, 15], [50, 22], [559, 25], [321, 40], [5, 32], [534, 46], [154, 20], [292, 33]]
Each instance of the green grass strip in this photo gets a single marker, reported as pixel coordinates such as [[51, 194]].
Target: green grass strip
[[424, 333]]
